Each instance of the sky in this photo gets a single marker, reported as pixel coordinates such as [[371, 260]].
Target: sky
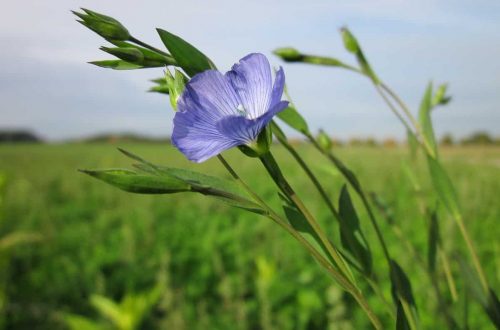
[[46, 84]]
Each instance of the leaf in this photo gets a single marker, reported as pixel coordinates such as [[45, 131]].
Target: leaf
[[493, 308], [187, 56], [139, 183], [117, 65], [77, 322], [222, 189], [352, 238], [433, 241], [402, 294], [147, 53], [424, 115], [294, 119], [443, 186], [108, 308], [412, 143]]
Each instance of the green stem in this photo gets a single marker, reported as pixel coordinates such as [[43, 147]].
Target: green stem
[[274, 171], [341, 279], [145, 45], [309, 173], [359, 190]]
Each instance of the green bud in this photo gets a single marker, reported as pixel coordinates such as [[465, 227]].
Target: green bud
[[440, 97], [350, 42], [289, 54], [175, 84], [324, 140], [259, 147], [127, 54], [105, 26]]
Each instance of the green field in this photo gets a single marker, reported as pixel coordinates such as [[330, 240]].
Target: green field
[[210, 266]]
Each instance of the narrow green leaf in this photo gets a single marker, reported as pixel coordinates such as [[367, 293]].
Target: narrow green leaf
[[127, 54], [493, 308], [412, 143], [433, 241], [444, 186], [225, 190], [187, 56], [351, 237], [472, 282], [424, 115], [148, 54], [402, 293], [117, 65], [139, 183], [294, 119]]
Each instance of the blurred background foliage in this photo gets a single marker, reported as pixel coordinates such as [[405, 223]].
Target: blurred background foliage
[[78, 254]]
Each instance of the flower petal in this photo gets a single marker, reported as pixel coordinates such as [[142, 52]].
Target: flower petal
[[252, 81], [278, 87], [207, 99], [245, 130], [198, 140]]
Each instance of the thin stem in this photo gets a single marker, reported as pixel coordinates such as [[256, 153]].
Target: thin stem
[[145, 45], [357, 187], [341, 279], [472, 250], [274, 171], [310, 174]]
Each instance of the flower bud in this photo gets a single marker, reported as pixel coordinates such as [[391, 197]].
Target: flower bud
[[350, 42], [324, 141], [175, 84], [105, 26], [289, 54], [131, 55]]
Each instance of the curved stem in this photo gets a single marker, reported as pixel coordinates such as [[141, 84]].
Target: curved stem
[[357, 187], [341, 279], [145, 45], [274, 171]]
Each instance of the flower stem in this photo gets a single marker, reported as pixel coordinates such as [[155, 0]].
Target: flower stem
[[145, 45], [274, 171], [359, 190], [334, 273]]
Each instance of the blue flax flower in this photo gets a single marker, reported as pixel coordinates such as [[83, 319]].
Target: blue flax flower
[[220, 111]]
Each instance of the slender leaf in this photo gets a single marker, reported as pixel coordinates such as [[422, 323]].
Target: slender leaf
[[139, 183], [443, 186], [187, 56], [402, 294], [426, 122], [352, 238], [294, 119], [117, 65], [433, 241]]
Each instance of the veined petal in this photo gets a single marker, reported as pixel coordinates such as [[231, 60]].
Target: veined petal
[[252, 80], [198, 140], [245, 130], [278, 87], [211, 94]]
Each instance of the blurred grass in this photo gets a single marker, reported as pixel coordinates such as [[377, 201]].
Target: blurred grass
[[219, 268]]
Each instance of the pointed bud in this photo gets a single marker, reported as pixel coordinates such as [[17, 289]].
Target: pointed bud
[[440, 97], [289, 54], [105, 26], [324, 141], [350, 42], [175, 84], [127, 54]]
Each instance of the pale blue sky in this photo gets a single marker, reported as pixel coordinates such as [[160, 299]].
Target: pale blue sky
[[46, 85]]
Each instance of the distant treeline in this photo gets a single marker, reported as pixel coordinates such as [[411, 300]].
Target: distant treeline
[[26, 136]]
